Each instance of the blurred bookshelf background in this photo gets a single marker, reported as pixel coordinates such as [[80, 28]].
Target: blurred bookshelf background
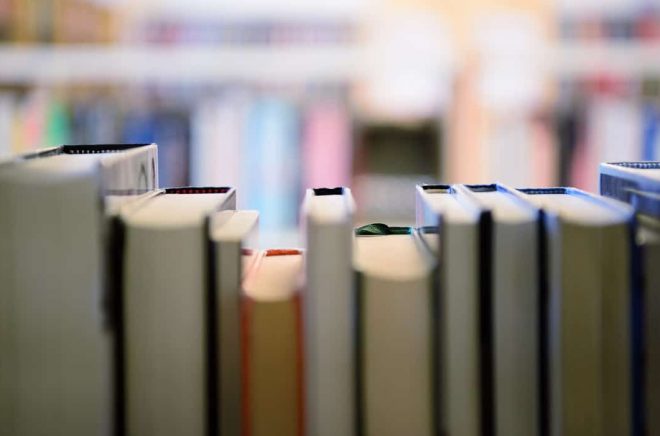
[[272, 96]]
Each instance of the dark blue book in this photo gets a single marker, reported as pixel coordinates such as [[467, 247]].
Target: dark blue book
[[636, 183]]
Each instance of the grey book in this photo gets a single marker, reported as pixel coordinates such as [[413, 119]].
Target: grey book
[[455, 230], [327, 214], [165, 314], [514, 308], [234, 243], [55, 335], [395, 330], [590, 276]]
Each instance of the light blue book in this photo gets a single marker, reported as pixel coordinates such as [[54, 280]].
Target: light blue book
[[271, 164]]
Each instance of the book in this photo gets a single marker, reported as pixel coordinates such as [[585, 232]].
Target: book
[[612, 130], [648, 240], [651, 118], [394, 351], [57, 124], [56, 335], [270, 167], [170, 128], [272, 341], [164, 362], [589, 302], [384, 171], [514, 308], [216, 139], [94, 119], [636, 183], [172, 133], [124, 168], [326, 144], [454, 228], [328, 312], [234, 239]]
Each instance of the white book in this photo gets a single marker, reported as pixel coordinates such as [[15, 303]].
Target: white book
[[125, 168], [514, 308], [217, 125], [327, 214], [163, 314], [452, 227], [395, 375], [234, 240], [589, 274], [55, 370]]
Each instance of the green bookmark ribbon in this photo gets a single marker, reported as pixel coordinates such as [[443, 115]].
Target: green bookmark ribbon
[[382, 229]]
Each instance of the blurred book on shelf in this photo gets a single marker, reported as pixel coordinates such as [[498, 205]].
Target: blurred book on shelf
[[389, 160], [640, 24], [327, 145], [217, 139], [605, 118], [59, 21], [244, 32], [270, 170]]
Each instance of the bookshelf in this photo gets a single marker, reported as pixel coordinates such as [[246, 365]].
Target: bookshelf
[[61, 64], [48, 64]]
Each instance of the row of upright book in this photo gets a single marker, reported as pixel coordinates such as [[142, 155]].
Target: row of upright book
[[222, 136], [130, 309], [241, 136]]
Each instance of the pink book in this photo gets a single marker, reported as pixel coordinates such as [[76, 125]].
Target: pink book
[[327, 148]]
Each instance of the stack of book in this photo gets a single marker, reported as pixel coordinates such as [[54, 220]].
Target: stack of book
[[126, 308]]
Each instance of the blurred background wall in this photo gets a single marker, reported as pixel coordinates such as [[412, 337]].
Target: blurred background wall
[[273, 96]]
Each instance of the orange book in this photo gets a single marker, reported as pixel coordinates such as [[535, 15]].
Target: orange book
[[272, 346]]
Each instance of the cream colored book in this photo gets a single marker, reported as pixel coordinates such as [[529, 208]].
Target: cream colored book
[[453, 228], [515, 306], [395, 332], [590, 277]]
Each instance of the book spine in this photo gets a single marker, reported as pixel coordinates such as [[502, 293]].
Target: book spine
[[116, 310], [486, 339]]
